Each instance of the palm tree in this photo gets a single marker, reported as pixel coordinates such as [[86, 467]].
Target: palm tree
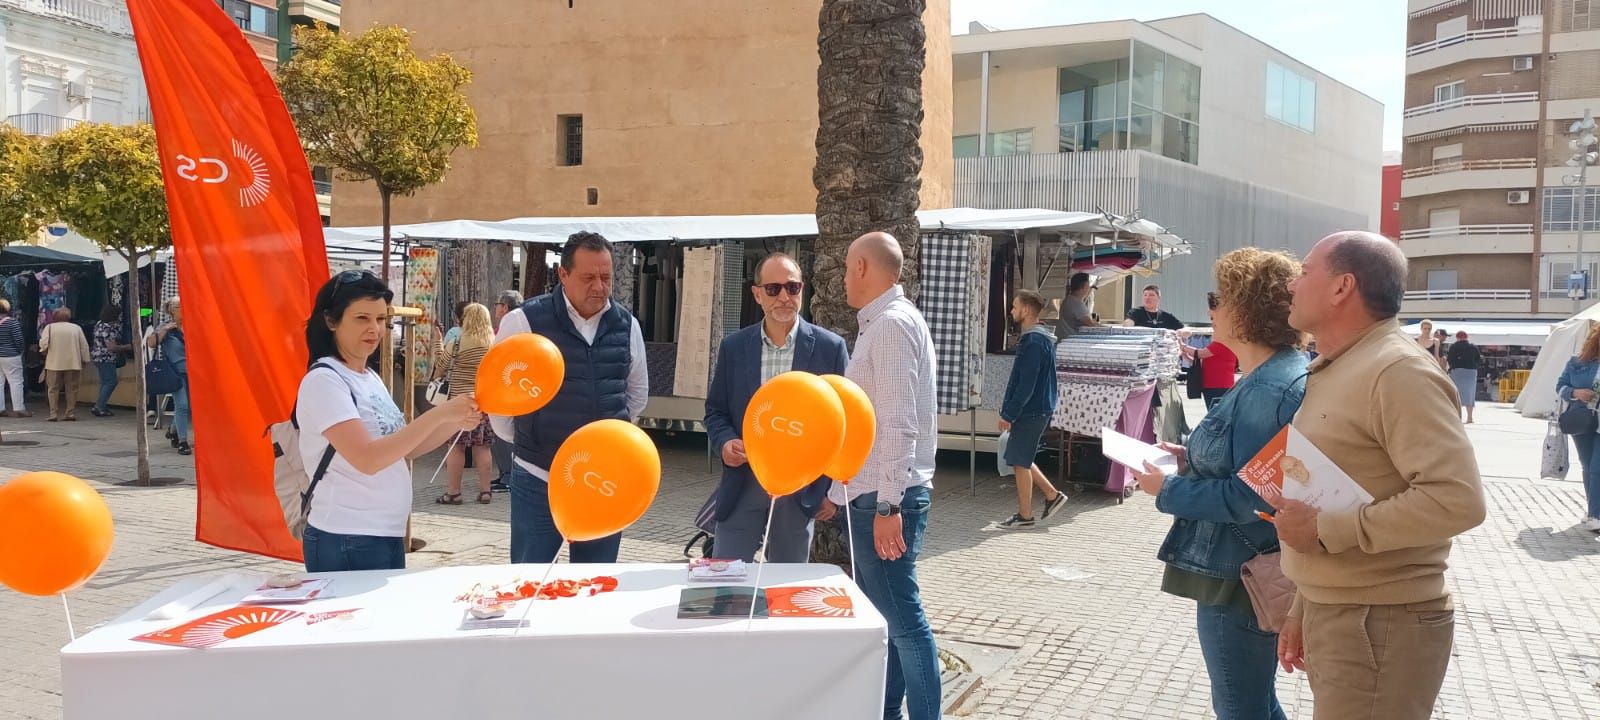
[[869, 161]]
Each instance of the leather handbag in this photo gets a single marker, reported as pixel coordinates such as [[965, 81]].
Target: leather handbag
[[439, 388], [1271, 592], [1577, 419], [160, 377]]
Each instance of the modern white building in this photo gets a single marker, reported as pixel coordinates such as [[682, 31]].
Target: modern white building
[[1227, 139]]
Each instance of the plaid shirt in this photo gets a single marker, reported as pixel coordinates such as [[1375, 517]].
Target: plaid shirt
[[894, 363], [776, 360]]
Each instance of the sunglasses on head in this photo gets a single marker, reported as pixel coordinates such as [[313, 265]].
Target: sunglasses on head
[[351, 276], [793, 287]]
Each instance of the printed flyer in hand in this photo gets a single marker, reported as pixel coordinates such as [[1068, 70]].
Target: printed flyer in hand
[[1291, 467]]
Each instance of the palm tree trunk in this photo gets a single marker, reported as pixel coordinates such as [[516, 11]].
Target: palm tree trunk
[[869, 160]]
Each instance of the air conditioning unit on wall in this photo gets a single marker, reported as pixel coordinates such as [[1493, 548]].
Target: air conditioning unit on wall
[[77, 91], [1518, 197], [1520, 64]]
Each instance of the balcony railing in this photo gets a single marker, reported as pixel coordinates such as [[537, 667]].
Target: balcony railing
[[1469, 36], [1450, 166], [112, 17], [324, 187], [1465, 231], [1472, 101], [1448, 295], [40, 124]]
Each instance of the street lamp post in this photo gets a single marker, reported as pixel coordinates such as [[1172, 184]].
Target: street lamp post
[[1582, 144]]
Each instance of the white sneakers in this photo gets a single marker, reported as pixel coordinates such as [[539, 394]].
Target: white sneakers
[[1591, 524]]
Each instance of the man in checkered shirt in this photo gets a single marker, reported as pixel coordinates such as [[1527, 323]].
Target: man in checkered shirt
[[889, 500]]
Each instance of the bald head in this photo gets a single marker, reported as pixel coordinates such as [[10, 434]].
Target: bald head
[[1378, 265], [881, 251]]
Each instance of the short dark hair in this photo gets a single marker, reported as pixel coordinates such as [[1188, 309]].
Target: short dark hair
[[510, 299], [583, 240], [1153, 288], [332, 300], [769, 258], [110, 313], [1378, 266], [1031, 300], [461, 308], [1079, 281]]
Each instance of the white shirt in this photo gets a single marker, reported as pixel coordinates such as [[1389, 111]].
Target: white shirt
[[348, 501], [894, 364], [638, 392]]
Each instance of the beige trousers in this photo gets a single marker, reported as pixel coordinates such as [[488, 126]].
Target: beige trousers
[[1377, 662], [64, 383]]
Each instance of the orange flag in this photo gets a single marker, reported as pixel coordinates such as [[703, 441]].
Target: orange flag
[[248, 239]]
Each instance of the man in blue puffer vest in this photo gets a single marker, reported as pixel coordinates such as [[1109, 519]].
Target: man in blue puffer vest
[[606, 378]]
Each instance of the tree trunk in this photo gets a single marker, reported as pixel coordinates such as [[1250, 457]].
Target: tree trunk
[[869, 162], [386, 348], [386, 197], [141, 406]]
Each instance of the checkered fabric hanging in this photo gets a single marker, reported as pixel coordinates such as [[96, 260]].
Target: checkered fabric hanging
[[945, 265]]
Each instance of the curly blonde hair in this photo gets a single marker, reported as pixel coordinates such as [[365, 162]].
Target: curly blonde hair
[[1254, 285]]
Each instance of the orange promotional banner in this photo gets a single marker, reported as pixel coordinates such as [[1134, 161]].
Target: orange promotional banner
[[247, 236]]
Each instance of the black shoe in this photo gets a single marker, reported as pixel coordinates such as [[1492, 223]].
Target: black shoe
[[1017, 522], [1051, 506], [184, 449], [499, 487]]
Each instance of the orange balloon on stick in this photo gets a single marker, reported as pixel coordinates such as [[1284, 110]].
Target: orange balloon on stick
[[793, 428], [55, 531], [519, 375], [860, 429], [602, 480]]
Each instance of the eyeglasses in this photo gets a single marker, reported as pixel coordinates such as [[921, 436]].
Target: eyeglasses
[[1212, 300], [349, 277], [793, 287]]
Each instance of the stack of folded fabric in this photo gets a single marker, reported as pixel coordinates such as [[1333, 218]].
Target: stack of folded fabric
[[1129, 354]]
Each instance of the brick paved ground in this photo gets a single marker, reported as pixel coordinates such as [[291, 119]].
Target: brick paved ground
[[1105, 646]]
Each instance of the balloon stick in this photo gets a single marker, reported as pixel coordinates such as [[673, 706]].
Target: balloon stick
[[446, 457], [766, 542], [64, 606], [524, 619]]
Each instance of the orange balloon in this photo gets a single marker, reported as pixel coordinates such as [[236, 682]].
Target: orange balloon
[[860, 429], [602, 480], [55, 531], [793, 428], [519, 375]]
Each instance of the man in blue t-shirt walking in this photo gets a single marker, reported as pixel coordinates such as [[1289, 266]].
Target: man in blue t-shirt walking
[[1029, 402]]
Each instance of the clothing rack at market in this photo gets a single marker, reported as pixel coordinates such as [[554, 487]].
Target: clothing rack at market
[[1107, 377]]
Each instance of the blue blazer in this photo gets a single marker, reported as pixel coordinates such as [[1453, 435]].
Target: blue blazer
[[735, 380]]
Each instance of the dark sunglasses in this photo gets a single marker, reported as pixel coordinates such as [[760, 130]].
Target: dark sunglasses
[[349, 277], [1212, 301], [793, 287]]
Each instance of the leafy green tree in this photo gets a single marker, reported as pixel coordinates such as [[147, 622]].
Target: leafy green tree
[[21, 212], [105, 182]]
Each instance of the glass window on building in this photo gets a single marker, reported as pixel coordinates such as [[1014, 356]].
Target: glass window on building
[[1011, 142], [1561, 211], [965, 146], [1150, 101], [1291, 97]]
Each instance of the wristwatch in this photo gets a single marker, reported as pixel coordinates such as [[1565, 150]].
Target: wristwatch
[[887, 510]]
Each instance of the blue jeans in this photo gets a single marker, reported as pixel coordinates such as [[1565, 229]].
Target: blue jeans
[[534, 537], [332, 552], [891, 585], [108, 383], [1242, 660], [1587, 447], [181, 423]]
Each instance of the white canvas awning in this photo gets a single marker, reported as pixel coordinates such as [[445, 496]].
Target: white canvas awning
[[74, 244], [1529, 334]]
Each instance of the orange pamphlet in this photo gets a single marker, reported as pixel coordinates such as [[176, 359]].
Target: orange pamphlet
[[220, 627], [814, 602], [1293, 468]]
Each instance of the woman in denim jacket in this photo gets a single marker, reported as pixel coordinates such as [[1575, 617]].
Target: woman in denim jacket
[[1217, 527], [1577, 384]]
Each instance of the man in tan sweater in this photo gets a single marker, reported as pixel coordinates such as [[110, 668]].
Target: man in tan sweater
[[1373, 622]]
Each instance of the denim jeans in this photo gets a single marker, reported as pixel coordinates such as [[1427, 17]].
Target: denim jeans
[[534, 537], [180, 413], [1242, 661], [108, 383], [1588, 444], [332, 552], [891, 585]]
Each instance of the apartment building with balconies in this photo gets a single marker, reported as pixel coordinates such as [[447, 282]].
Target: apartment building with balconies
[[1487, 218]]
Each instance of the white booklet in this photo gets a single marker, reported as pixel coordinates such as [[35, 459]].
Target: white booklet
[[304, 591], [1291, 467], [1124, 450]]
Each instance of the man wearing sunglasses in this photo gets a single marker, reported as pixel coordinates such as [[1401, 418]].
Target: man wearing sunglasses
[[747, 360]]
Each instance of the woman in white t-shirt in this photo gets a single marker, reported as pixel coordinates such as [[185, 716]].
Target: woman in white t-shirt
[[359, 508]]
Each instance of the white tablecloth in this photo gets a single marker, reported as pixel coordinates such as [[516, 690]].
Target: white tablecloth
[[623, 654]]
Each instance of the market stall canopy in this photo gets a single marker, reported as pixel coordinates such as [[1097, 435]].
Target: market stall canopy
[[75, 244], [1538, 398], [1521, 334], [710, 228], [16, 258]]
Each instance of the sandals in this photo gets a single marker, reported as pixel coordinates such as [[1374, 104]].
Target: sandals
[[449, 499], [484, 498]]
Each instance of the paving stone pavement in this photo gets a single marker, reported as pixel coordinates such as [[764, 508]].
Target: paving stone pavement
[[1107, 645]]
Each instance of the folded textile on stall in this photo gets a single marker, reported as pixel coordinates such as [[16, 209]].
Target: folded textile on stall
[[1138, 355]]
